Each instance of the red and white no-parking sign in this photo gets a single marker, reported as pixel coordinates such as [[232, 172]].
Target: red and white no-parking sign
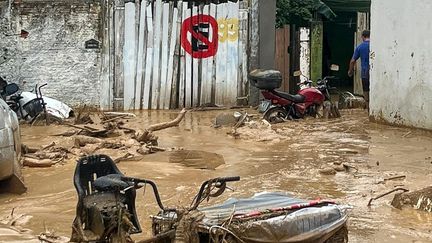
[[199, 36]]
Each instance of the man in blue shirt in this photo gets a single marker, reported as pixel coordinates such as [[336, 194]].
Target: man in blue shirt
[[362, 52]]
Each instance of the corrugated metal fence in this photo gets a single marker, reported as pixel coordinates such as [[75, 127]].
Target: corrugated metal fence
[[178, 55]]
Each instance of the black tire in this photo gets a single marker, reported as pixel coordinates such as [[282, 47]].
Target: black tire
[[313, 111], [41, 121], [276, 115]]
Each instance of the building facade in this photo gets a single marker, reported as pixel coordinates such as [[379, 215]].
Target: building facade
[[149, 54], [401, 83]]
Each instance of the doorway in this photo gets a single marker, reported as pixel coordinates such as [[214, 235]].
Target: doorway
[[338, 48]]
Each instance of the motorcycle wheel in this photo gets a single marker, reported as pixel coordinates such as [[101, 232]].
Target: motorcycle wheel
[[276, 115], [41, 121]]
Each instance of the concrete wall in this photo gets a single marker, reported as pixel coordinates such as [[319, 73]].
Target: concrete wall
[[401, 57], [267, 33], [54, 51]]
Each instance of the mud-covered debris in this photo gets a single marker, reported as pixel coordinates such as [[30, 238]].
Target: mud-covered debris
[[197, 159], [421, 200], [15, 219], [327, 171], [27, 149], [225, 119], [52, 237], [111, 115], [127, 157], [260, 131], [339, 168], [31, 162], [81, 140], [347, 100]]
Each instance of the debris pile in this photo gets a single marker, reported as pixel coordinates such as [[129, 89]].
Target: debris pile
[[104, 131], [421, 200]]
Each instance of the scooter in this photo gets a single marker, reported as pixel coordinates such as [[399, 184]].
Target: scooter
[[34, 107], [284, 106], [106, 212]]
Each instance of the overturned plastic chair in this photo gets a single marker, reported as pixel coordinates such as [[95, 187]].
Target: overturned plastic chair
[[89, 221]]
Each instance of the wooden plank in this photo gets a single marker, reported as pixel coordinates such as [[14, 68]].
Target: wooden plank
[[173, 47], [175, 84], [211, 68], [279, 57], [253, 48], [129, 59], [232, 53], [106, 72], [165, 46], [188, 69], [183, 64], [156, 55], [221, 56], [118, 53], [141, 56], [205, 96], [195, 72], [149, 58], [243, 59]]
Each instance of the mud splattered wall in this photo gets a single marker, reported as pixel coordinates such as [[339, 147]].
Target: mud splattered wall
[[401, 55], [54, 51]]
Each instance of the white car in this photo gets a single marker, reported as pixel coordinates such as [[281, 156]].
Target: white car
[[10, 150]]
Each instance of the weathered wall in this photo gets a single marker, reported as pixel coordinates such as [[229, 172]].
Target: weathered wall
[[401, 54], [54, 51]]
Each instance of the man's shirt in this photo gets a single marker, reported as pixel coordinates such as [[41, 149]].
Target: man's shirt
[[362, 52]]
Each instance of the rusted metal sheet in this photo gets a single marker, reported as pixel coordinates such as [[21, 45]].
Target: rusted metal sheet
[[184, 55]]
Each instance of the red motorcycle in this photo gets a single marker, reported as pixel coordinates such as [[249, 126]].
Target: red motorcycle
[[284, 106]]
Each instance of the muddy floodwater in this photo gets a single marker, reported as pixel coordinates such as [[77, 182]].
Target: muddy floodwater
[[288, 158]]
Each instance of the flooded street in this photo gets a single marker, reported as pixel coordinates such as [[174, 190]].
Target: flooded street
[[290, 159]]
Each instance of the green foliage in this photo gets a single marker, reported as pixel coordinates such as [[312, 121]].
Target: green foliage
[[298, 12]]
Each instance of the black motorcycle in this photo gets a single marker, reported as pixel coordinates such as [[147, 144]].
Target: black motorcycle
[[106, 213]]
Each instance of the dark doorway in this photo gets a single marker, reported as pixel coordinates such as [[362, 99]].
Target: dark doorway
[[338, 47]]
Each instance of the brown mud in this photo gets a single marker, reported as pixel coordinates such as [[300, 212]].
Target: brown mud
[[288, 157]]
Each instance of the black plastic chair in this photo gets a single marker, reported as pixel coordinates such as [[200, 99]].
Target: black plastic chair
[[88, 169]]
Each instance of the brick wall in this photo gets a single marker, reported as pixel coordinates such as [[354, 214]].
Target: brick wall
[[54, 51]]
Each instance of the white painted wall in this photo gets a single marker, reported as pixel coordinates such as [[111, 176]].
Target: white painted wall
[[305, 53], [401, 57]]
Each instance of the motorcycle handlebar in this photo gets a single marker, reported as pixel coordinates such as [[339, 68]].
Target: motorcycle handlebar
[[136, 181], [198, 198], [229, 179]]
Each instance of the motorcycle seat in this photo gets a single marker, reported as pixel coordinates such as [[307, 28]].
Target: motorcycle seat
[[110, 183], [294, 98]]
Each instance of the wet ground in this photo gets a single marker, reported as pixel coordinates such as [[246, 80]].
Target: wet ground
[[286, 158]]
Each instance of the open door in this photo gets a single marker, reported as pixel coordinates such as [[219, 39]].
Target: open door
[[363, 23]]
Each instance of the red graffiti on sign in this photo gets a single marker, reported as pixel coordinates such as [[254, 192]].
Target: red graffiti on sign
[[199, 36]]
